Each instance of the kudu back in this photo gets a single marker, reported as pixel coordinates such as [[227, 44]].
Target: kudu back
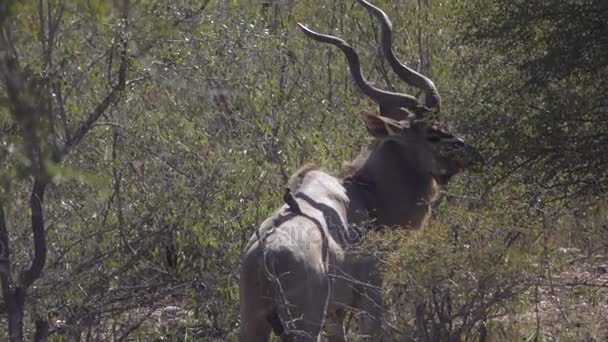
[[298, 276]]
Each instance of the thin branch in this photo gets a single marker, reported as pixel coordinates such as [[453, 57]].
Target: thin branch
[[85, 125], [35, 270], [5, 266], [112, 97]]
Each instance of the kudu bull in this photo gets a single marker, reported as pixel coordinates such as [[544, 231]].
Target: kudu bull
[[297, 274]]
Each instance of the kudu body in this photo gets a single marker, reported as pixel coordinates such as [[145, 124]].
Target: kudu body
[[298, 275]]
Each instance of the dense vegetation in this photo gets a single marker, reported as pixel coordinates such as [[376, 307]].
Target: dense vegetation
[[141, 143]]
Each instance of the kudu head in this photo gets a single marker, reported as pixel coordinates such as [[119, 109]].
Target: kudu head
[[412, 153], [426, 148]]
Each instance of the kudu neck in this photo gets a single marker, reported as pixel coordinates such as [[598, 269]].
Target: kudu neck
[[388, 190]]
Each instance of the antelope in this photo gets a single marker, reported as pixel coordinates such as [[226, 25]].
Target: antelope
[[299, 273]]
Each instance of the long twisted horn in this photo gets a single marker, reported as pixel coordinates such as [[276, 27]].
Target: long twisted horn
[[394, 105], [432, 98]]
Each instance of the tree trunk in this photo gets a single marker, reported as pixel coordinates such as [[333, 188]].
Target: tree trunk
[[13, 292], [15, 300]]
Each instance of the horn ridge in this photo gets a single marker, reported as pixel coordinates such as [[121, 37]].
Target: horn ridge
[[412, 77], [389, 102]]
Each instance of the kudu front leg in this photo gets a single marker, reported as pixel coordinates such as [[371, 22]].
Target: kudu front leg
[[370, 303], [334, 326]]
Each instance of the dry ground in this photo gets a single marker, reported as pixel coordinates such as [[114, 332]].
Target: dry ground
[[567, 303]]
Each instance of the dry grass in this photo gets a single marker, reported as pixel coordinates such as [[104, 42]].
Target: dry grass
[[569, 302]]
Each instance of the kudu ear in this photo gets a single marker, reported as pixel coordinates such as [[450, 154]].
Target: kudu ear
[[381, 126]]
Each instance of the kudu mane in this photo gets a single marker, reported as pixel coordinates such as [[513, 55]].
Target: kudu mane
[[381, 199]]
